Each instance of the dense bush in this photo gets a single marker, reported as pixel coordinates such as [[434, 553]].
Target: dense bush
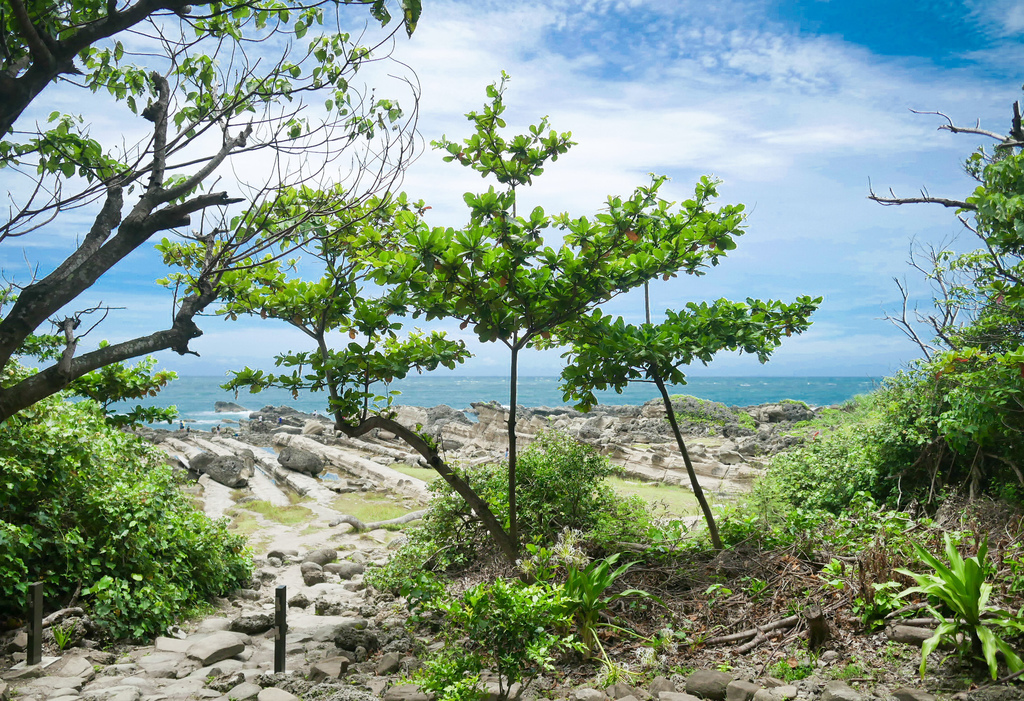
[[561, 484], [85, 506]]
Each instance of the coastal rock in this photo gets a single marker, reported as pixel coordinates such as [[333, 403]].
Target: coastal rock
[[783, 411], [229, 470], [222, 407], [301, 460]]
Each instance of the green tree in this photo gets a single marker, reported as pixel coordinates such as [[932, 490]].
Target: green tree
[[974, 361], [244, 72], [607, 353], [498, 274], [357, 375]]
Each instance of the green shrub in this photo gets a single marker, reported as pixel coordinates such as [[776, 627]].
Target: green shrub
[[509, 628], [85, 505], [561, 484], [823, 473]]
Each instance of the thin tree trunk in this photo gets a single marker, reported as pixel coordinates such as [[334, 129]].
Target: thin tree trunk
[[430, 455], [716, 541], [513, 526]]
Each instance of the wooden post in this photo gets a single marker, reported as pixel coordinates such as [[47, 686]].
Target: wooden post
[[281, 625], [35, 628]]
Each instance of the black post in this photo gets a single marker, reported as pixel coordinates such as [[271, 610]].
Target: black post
[[281, 627], [35, 628]]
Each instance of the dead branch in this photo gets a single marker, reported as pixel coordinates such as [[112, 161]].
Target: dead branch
[[743, 635]]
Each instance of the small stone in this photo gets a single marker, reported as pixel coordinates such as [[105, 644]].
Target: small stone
[[741, 690], [312, 573], [840, 691], [253, 624], [272, 694], [300, 600], [786, 691], [217, 647], [622, 691], [345, 570], [908, 694], [829, 656], [330, 668], [244, 691], [766, 695], [322, 556], [404, 692], [659, 685], [587, 694], [388, 664], [248, 594], [708, 684], [172, 645], [676, 696]]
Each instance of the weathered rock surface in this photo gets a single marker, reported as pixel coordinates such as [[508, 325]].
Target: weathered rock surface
[[229, 470], [301, 460]]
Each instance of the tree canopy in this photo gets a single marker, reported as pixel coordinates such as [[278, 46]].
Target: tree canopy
[[205, 83]]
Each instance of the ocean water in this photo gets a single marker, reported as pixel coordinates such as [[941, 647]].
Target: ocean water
[[195, 396]]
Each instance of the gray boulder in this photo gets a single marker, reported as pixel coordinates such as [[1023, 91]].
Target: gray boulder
[[253, 624], [226, 469], [708, 684], [312, 573], [216, 647], [839, 691], [301, 460], [322, 556]]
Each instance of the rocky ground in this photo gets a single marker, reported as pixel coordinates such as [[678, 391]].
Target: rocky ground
[[346, 641]]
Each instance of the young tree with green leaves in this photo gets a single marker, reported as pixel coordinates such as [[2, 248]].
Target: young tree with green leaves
[[355, 332], [607, 353], [203, 82], [499, 275]]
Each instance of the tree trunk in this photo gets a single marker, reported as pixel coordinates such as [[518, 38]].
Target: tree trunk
[[513, 526], [430, 455], [716, 541]]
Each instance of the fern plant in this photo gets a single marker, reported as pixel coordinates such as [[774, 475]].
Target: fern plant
[[962, 588]]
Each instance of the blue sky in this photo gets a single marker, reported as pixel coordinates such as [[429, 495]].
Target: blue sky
[[794, 105]]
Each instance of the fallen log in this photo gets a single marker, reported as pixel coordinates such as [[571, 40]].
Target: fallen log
[[743, 635], [58, 616], [358, 526]]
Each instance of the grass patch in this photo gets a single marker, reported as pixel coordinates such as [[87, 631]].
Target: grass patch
[[368, 506], [678, 501], [860, 409], [420, 473], [242, 523], [287, 515]]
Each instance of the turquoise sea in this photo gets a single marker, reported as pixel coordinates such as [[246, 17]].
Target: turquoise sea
[[195, 396]]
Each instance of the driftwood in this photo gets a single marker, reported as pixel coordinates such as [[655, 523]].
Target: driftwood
[[358, 526], [754, 632], [818, 630], [58, 616], [909, 635], [905, 609]]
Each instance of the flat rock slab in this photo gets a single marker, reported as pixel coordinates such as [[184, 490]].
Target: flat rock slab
[[216, 647], [676, 696], [173, 645], [840, 691], [245, 691], [406, 692], [272, 694], [74, 667]]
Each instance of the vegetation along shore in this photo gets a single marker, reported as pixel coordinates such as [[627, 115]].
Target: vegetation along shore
[[680, 549]]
